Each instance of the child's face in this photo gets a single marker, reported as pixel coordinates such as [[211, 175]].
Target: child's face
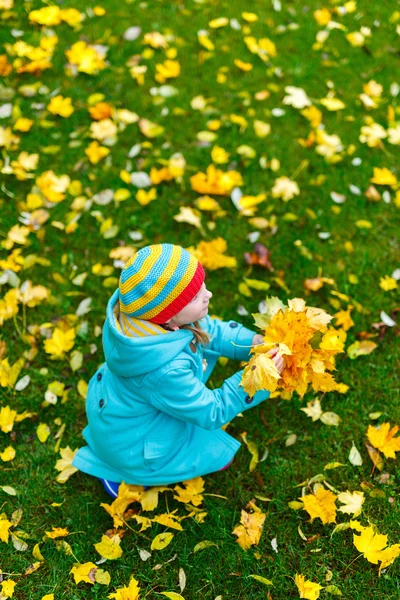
[[195, 310]]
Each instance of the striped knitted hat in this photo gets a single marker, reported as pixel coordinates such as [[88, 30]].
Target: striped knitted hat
[[158, 282]]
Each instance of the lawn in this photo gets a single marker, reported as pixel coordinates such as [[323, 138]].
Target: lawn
[[108, 113]]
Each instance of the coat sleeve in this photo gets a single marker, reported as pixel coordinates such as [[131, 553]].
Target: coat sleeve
[[224, 334], [179, 393]]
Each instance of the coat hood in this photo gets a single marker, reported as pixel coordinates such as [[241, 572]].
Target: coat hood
[[130, 356]]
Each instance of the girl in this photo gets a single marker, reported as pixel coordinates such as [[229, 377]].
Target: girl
[[152, 420]]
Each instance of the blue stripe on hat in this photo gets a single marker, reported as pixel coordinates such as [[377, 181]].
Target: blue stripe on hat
[[169, 287], [151, 278]]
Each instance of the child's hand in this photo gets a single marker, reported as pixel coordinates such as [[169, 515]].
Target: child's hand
[[274, 353], [277, 358]]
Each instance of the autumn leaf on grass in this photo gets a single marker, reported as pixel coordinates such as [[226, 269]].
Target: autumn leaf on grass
[[57, 532], [215, 181], [383, 439], [252, 448], [149, 498], [352, 502], [109, 547], [307, 589], [5, 525], [321, 505], [7, 418], [9, 373], [161, 541], [126, 495], [169, 520], [60, 342], [188, 215], [7, 588], [361, 348], [250, 529], [84, 572], [383, 176], [127, 593], [192, 491], [373, 545], [64, 464], [212, 254]]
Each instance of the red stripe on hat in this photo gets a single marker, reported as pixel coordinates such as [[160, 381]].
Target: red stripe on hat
[[183, 299]]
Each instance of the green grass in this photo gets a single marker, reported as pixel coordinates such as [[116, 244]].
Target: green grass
[[224, 569]]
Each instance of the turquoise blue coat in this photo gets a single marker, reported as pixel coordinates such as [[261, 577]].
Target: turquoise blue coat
[[151, 418]]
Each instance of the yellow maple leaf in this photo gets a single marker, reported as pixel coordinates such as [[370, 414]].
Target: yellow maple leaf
[[321, 505], [383, 439], [149, 498], [307, 589], [95, 152], [109, 547], [8, 454], [127, 593], [9, 373], [60, 342], [260, 374], [64, 464], [5, 525], [372, 545], [57, 532], [61, 106], [249, 530], [7, 418], [7, 588], [126, 495], [9, 304], [84, 572], [169, 520], [211, 254], [192, 491], [215, 181], [383, 177], [352, 502]]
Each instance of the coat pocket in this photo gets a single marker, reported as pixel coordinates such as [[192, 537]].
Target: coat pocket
[[159, 451]]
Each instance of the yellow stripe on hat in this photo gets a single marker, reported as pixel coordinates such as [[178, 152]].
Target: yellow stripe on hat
[[129, 328], [168, 272], [148, 264], [184, 282]]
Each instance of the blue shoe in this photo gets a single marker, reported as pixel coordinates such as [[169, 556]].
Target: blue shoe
[[112, 487]]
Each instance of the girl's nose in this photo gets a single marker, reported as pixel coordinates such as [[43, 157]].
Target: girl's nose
[[209, 294]]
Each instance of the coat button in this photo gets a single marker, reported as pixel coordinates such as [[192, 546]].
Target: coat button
[[99, 376], [233, 325], [101, 403], [248, 399]]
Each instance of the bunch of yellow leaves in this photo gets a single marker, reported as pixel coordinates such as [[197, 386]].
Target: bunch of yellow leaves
[[215, 181], [373, 545], [306, 343]]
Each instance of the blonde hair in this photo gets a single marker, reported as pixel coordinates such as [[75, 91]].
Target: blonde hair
[[199, 334]]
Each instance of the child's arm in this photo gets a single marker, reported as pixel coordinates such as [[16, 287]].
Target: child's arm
[[223, 333], [181, 394]]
